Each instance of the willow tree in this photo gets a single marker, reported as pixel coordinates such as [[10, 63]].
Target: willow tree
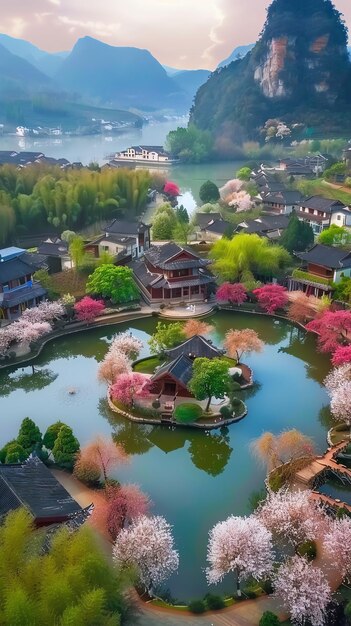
[[246, 256]]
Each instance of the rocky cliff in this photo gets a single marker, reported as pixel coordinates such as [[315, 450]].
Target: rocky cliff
[[299, 70]]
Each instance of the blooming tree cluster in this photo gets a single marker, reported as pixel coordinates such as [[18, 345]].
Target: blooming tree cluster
[[100, 456], [147, 544], [130, 387], [197, 327], [124, 348], [241, 545], [235, 293], [171, 189], [337, 543], [287, 447], [302, 308], [88, 309], [121, 505], [342, 355], [271, 297], [338, 384], [239, 342], [128, 344], [304, 591], [234, 195], [332, 328]]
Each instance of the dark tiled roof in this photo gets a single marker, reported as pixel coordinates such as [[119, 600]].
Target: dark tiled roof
[[197, 347], [123, 227], [53, 247], [219, 227], [265, 223], [142, 273], [21, 295], [327, 256], [32, 484], [205, 279], [203, 219], [15, 268], [321, 204], [181, 369], [119, 240], [161, 256], [283, 197]]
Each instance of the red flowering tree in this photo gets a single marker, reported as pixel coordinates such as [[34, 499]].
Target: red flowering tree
[[235, 293], [332, 328], [171, 189], [130, 387], [302, 308], [87, 309], [342, 355], [119, 508], [271, 297]]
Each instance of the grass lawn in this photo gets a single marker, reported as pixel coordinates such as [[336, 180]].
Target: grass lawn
[[321, 187], [69, 281], [148, 366], [188, 413]]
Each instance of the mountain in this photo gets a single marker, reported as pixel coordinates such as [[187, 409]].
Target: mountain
[[238, 53], [18, 77], [190, 80], [299, 71], [44, 61], [119, 76]]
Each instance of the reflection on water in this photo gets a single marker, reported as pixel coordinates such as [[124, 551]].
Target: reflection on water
[[193, 478], [335, 489]]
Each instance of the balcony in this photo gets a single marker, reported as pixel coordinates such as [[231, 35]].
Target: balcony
[[313, 279]]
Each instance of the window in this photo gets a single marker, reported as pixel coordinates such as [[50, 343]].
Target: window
[[338, 217]]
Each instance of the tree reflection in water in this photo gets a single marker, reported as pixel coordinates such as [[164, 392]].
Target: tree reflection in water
[[210, 452], [28, 379]]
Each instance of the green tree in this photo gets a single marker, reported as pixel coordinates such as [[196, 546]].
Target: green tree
[[166, 336], [210, 379], [190, 144], [298, 236], [29, 436], [113, 282], [269, 619], [244, 173], [182, 214], [52, 434], [12, 452], [76, 251], [65, 447], [335, 236], [68, 236], [182, 232], [245, 256], [209, 192], [60, 579], [162, 227], [343, 290], [338, 169]]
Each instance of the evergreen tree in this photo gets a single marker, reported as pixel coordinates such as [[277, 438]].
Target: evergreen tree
[[12, 452], [52, 434], [29, 436], [65, 448], [298, 236], [209, 192]]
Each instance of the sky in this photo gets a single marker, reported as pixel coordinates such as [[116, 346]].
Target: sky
[[181, 33]]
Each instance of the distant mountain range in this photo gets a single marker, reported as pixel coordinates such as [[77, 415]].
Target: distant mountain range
[[18, 76], [238, 53], [46, 62]]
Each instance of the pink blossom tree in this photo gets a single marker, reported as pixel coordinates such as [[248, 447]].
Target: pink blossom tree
[[337, 377], [197, 327], [337, 544], [235, 293], [130, 387], [292, 516], [171, 189], [87, 309], [340, 403], [114, 365], [27, 332], [128, 344], [271, 297], [230, 188], [304, 591], [101, 454], [332, 327], [119, 508], [240, 201], [239, 342], [239, 545], [342, 355], [44, 312], [147, 544]]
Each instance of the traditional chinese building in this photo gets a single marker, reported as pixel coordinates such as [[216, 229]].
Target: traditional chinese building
[[322, 266], [18, 289], [125, 240], [170, 273]]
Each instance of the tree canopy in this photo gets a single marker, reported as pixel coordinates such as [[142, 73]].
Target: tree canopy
[[114, 282], [210, 378], [209, 192], [298, 236]]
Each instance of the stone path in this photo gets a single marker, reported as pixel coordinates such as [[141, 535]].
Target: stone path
[[186, 312]]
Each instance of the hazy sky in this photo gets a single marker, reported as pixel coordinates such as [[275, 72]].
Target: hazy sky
[[180, 33]]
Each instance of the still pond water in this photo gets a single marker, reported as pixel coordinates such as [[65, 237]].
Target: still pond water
[[194, 479]]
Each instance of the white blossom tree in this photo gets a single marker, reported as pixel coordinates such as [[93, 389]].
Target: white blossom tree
[[44, 312], [337, 544], [338, 384], [241, 545], [303, 590], [337, 376], [292, 516], [147, 544], [114, 364], [128, 344]]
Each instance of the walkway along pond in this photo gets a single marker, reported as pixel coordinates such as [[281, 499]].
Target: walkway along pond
[[194, 478]]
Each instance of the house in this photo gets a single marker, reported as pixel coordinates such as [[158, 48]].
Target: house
[[170, 273], [204, 219], [31, 485], [217, 229], [341, 217], [317, 211], [126, 240], [270, 226], [283, 201], [144, 154], [322, 266], [7, 156], [56, 254], [304, 166], [18, 290], [196, 347]]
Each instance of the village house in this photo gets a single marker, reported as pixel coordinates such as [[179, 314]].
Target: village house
[[125, 240], [56, 254], [270, 226], [31, 485], [317, 211], [212, 226], [304, 166], [341, 217], [284, 201], [169, 273], [322, 266], [149, 154], [18, 289]]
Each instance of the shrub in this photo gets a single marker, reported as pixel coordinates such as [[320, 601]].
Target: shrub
[[236, 403], [188, 413], [156, 404], [308, 549], [249, 593], [51, 435], [214, 602], [12, 452], [88, 474], [276, 481], [226, 412], [197, 606], [267, 586], [269, 619]]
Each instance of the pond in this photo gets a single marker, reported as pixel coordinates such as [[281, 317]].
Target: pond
[[194, 479], [335, 489]]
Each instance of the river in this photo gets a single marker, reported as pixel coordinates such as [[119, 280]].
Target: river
[[97, 147]]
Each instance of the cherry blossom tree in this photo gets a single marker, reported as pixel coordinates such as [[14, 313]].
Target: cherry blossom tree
[[302, 308], [337, 544], [114, 365], [119, 508], [171, 189], [303, 590], [130, 387], [230, 188], [271, 297], [128, 344], [239, 342], [44, 312], [332, 328], [147, 544], [342, 355], [196, 327], [241, 201], [292, 516], [5, 341], [241, 545], [340, 404], [27, 332], [87, 309], [337, 377], [235, 293], [102, 453]]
